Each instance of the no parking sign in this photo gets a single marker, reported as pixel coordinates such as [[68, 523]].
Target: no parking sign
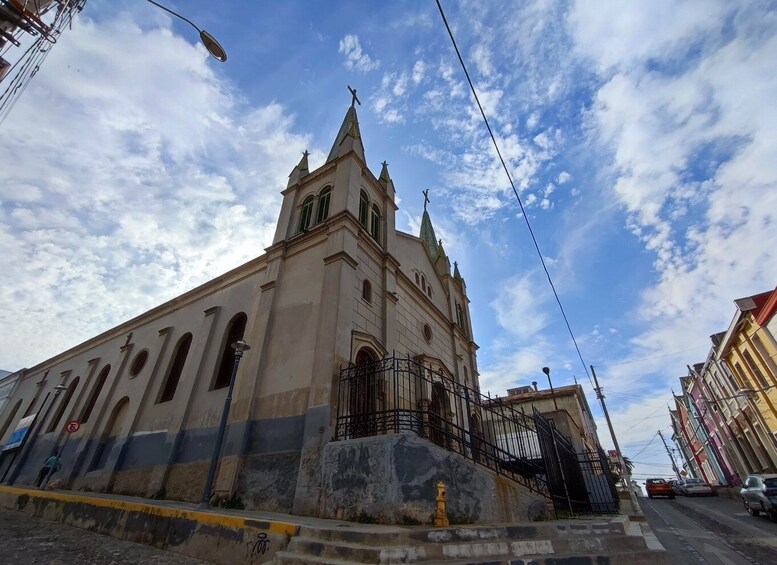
[[72, 426]]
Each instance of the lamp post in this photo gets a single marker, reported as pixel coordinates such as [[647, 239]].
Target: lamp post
[[546, 370], [210, 43], [239, 346], [24, 451]]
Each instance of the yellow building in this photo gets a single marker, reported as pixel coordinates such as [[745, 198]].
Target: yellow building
[[748, 352]]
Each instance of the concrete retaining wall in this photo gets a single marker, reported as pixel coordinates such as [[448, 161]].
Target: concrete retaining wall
[[220, 538], [392, 479]]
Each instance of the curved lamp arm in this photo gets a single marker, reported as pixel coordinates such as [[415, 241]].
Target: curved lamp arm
[[210, 43]]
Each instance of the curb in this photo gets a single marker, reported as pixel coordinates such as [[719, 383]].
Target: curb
[[208, 535]]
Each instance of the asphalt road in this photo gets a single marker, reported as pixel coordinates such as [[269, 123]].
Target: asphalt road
[[712, 530], [26, 540]]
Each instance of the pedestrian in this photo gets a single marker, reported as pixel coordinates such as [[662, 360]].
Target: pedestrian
[[50, 466]]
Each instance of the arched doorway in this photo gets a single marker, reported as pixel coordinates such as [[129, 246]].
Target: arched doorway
[[362, 394], [476, 437], [438, 416]]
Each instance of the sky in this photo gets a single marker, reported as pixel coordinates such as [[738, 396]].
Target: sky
[[640, 137]]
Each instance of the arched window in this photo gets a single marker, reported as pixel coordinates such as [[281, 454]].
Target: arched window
[[459, 316], [364, 207], [235, 331], [375, 223], [98, 386], [367, 290], [10, 418], [306, 214], [417, 279], [423, 281], [429, 290], [63, 405], [323, 205], [176, 368]]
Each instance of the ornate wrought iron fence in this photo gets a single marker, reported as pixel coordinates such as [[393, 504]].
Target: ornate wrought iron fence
[[395, 395]]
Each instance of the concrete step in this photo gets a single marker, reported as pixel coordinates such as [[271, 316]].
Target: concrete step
[[495, 549], [384, 536], [620, 558]]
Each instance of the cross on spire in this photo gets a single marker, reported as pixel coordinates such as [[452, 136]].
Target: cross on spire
[[426, 198], [305, 153], [354, 98]]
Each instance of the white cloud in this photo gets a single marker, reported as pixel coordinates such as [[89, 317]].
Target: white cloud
[[564, 177], [355, 58], [419, 70], [518, 307], [126, 181]]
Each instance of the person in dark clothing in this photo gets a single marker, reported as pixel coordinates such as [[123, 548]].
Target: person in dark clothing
[[50, 466]]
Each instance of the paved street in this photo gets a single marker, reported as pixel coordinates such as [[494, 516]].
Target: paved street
[[713, 530], [28, 540]]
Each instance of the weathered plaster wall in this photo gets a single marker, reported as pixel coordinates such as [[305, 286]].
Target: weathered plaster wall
[[392, 478]]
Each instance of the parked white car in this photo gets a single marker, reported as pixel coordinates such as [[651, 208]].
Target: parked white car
[[696, 487]]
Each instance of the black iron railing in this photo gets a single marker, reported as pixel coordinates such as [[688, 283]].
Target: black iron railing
[[394, 395]]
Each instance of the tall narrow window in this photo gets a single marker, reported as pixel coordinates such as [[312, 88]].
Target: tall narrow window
[[108, 439], [367, 290], [176, 368], [10, 418], [323, 205], [63, 402], [755, 369], [364, 207], [459, 316], [235, 331], [417, 280], [306, 214], [375, 223], [95, 394]]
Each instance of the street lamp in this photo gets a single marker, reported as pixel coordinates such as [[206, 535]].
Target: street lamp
[[210, 43], [749, 395], [33, 436], [546, 370], [239, 346]]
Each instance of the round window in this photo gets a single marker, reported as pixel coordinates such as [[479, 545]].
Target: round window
[[138, 363], [428, 333]]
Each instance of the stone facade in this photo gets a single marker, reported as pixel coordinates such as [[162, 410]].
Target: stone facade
[[338, 284]]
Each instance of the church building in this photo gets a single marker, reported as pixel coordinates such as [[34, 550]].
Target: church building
[[342, 314]]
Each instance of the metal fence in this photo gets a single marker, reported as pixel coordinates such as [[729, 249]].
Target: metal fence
[[393, 395]]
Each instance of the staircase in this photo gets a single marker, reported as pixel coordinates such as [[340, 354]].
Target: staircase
[[564, 542]]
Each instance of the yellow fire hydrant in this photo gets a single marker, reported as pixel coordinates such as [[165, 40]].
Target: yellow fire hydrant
[[441, 518]]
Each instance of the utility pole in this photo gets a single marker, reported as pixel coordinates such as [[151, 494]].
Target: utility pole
[[669, 453], [626, 474]]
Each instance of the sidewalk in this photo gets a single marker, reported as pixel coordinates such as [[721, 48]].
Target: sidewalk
[[223, 536]]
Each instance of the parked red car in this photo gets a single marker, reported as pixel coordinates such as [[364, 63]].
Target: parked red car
[[658, 487]]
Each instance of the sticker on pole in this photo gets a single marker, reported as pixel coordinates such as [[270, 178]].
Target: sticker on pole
[[72, 426]]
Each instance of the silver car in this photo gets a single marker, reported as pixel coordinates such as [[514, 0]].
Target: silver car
[[696, 487], [760, 495]]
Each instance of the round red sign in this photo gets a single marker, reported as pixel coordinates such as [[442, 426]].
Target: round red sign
[[72, 426]]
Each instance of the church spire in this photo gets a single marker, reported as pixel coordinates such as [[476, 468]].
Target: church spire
[[349, 137], [299, 171], [427, 231]]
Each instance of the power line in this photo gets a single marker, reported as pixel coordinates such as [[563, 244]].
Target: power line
[[655, 435], [653, 357], [515, 191]]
